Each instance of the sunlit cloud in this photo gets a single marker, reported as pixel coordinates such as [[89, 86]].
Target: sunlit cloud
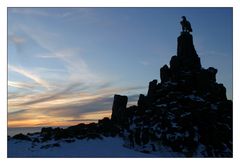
[[21, 85], [29, 75], [95, 115], [67, 105]]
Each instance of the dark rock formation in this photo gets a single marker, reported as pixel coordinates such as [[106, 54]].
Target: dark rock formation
[[21, 137], [143, 101], [165, 73], [104, 128], [187, 111], [107, 127], [119, 108], [187, 58], [152, 88]]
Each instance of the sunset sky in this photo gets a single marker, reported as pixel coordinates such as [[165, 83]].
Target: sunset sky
[[66, 64]]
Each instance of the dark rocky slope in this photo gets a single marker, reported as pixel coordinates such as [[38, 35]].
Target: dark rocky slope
[[187, 112]]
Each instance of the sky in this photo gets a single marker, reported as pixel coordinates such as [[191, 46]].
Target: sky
[[66, 64]]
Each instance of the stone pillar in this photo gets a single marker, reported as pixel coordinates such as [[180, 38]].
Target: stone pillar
[[119, 108]]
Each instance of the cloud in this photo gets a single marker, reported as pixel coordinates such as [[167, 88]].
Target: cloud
[[82, 94], [30, 75], [42, 12], [55, 48], [95, 115], [17, 40], [17, 112], [70, 103], [145, 63], [21, 85], [65, 94], [52, 115], [87, 15], [71, 58]]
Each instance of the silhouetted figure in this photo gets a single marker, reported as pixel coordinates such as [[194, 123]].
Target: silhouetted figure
[[186, 26]]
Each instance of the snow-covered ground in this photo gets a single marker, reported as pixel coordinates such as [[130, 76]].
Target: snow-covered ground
[[107, 147]]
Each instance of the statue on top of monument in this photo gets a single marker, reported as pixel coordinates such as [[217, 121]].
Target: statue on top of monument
[[186, 26]]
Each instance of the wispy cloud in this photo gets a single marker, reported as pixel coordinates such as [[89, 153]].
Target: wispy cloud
[[71, 58], [42, 12], [21, 85], [29, 75], [78, 94], [145, 63], [68, 104], [16, 39]]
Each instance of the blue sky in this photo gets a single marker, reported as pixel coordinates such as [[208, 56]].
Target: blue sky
[[65, 64]]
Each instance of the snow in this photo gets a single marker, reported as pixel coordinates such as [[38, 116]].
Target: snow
[[168, 152], [174, 125], [156, 127], [185, 114], [170, 116], [170, 83], [195, 98], [200, 150], [172, 137], [108, 147], [161, 105], [148, 110], [174, 109], [158, 100], [186, 134], [173, 102], [214, 107], [132, 126]]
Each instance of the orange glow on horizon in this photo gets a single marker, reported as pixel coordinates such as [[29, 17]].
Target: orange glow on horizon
[[59, 122]]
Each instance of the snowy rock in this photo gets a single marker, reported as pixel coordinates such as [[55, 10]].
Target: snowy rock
[[180, 113]]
